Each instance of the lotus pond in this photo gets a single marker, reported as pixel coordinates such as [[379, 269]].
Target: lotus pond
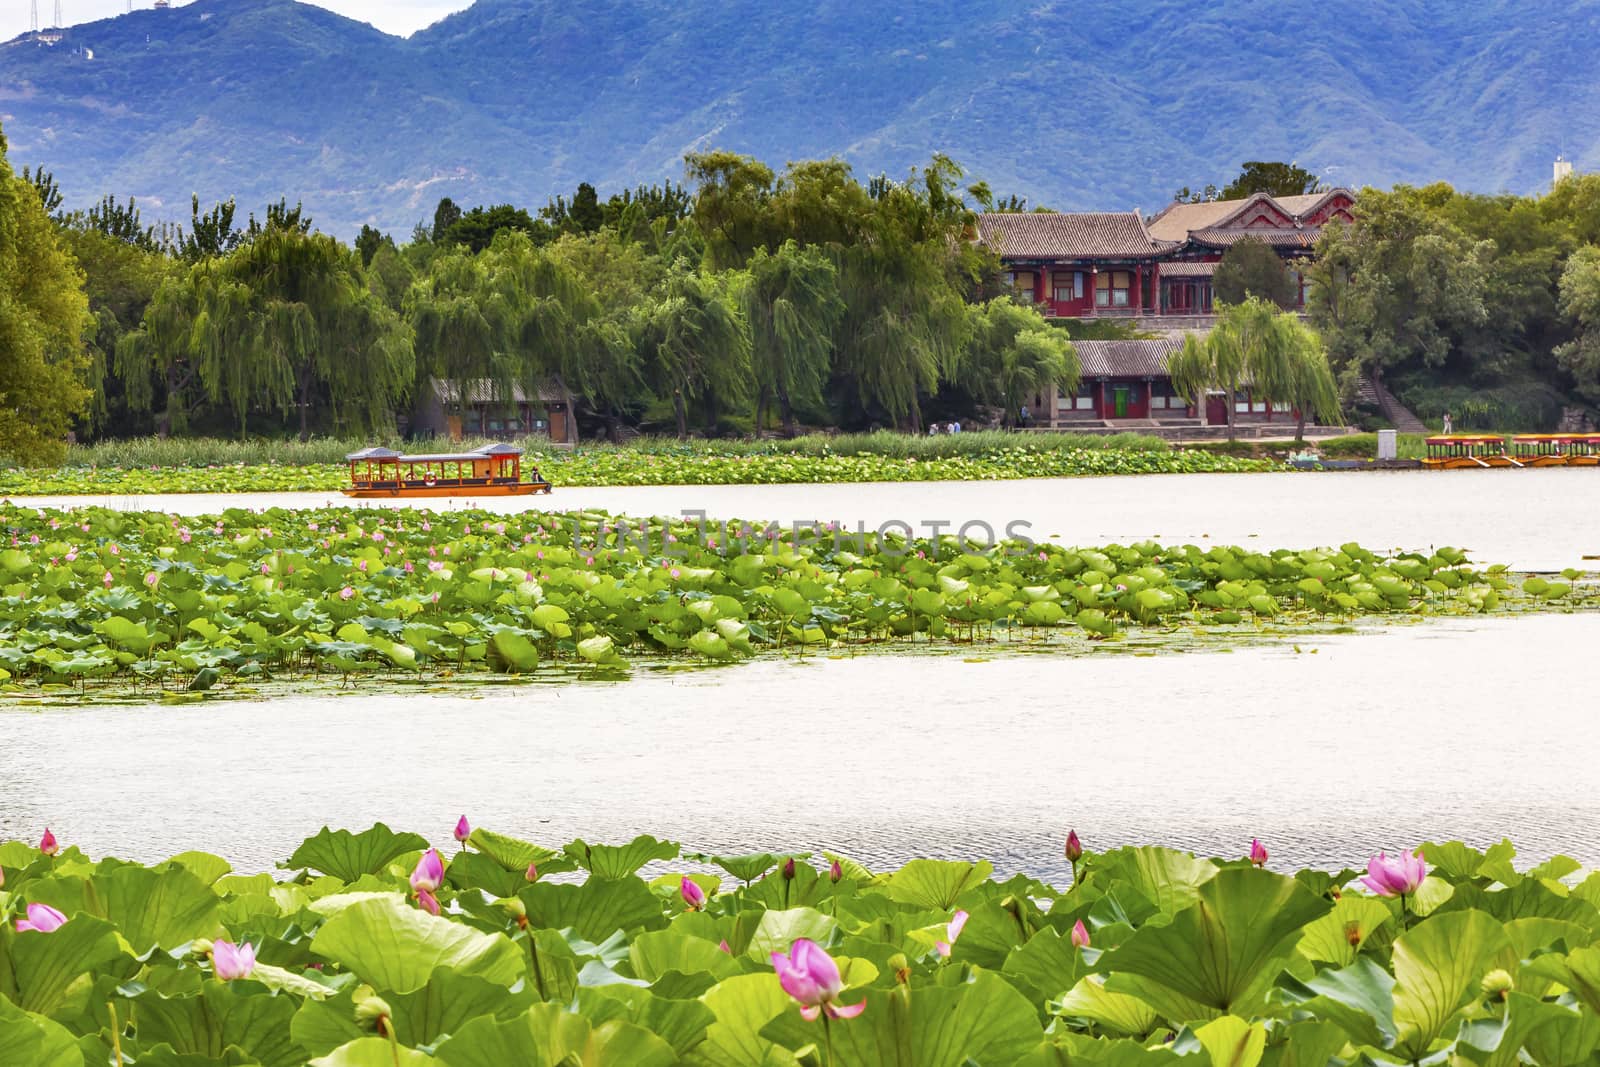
[[201, 603], [375, 949], [626, 466]]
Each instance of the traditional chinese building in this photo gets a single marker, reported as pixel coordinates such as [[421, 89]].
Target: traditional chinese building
[[476, 408], [1088, 264]]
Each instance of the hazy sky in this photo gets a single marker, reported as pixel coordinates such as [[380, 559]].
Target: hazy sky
[[392, 16]]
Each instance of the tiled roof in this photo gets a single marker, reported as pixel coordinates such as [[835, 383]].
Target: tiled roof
[[1225, 238], [1183, 269], [1126, 359], [484, 391], [1179, 220], [1069, 235]]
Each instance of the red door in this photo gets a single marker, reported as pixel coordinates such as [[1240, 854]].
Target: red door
[[1216, 410]]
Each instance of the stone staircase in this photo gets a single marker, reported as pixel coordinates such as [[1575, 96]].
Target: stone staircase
[[1399, 416]]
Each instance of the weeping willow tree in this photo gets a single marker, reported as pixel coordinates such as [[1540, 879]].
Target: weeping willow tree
[[1274, 351], [696, 343], [1014, 354], [286, 324], [792, 303], [1294, 371]]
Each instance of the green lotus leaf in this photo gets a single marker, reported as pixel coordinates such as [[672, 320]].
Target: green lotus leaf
[[1358, 998], [40, 972], [448, 1002], [654, 953], [35, 1041], [681, 1024], [1045, 967], [156, 908], [1117, 1012], [1336, 937], [936, 883], [779, 930], [514, 650], [546, 1035], [1437, 967], [218, 1017], [619, 861], [1168, 879], [397, 948], [373, 1052], [348, 856], [1498, 1042], [514, 854], [1566, 1039], [596, 909], [981, 1021], [1226, 949]]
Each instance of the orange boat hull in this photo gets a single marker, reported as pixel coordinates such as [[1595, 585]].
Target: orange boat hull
[[519, 489]]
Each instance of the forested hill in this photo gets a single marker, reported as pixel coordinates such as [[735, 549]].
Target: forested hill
[[1087, 103]]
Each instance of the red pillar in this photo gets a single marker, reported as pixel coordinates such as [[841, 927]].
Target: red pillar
[[1138, 288], [1041, 285]]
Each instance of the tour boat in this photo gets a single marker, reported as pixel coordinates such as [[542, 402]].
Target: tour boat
[[1466, 450], [493, 470]]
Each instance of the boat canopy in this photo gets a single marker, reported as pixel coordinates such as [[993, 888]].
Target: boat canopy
[[497, 450]]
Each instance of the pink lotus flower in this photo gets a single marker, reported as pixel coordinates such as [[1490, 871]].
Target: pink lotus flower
[[462, 831], [71, 555], [1080, 935], [1074, 850], [835, 872], [1395, 877], [409, 568], [41, 918], [230, 961], [723, 946], [1258, 852], [809, 975], [427, 902], [362, 566], [694, 898], [951, 932], [266, 568], [429, 872], [346, 593], [48, 844], [532, 872], [106, 580]]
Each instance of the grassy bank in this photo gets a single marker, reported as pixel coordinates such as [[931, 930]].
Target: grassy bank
[[376, 949]]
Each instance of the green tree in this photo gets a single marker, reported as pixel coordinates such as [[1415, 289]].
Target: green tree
[[697, 345], [119, 221], [210, 234], [44, 183], [1253, 268], [1292, 370], [446, 215], [730, 205], [1013, 354], [368, 241], [793, 306], [1580, 302], [120, 280], [478, 228], [1400, 287], [1275, 179], [43, 317]]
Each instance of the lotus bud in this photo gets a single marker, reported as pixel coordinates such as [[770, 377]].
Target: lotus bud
[[809, 975], [230, 962], [723, 946], [1496, 984], [1258, 852], [835, 872], [428, 902], [48, 844], [371, 1008], [1074, 849], [694, 898], [429, 872], [1080, 935], [532, 873], [788, 869], [463, 831], [41, 918]]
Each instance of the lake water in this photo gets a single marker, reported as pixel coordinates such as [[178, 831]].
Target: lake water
[[1475, 729]]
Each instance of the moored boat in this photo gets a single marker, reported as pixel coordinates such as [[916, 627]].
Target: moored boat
[[493, 470], [1466, 450]]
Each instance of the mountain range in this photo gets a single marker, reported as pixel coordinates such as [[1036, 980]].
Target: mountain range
[[1073, 104]]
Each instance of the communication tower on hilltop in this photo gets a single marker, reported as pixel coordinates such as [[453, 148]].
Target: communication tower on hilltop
[[33, 21]]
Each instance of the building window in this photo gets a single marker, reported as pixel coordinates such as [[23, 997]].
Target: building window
[[1067, 286], [1084, 401], [1022, 284], [1111, 288]]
